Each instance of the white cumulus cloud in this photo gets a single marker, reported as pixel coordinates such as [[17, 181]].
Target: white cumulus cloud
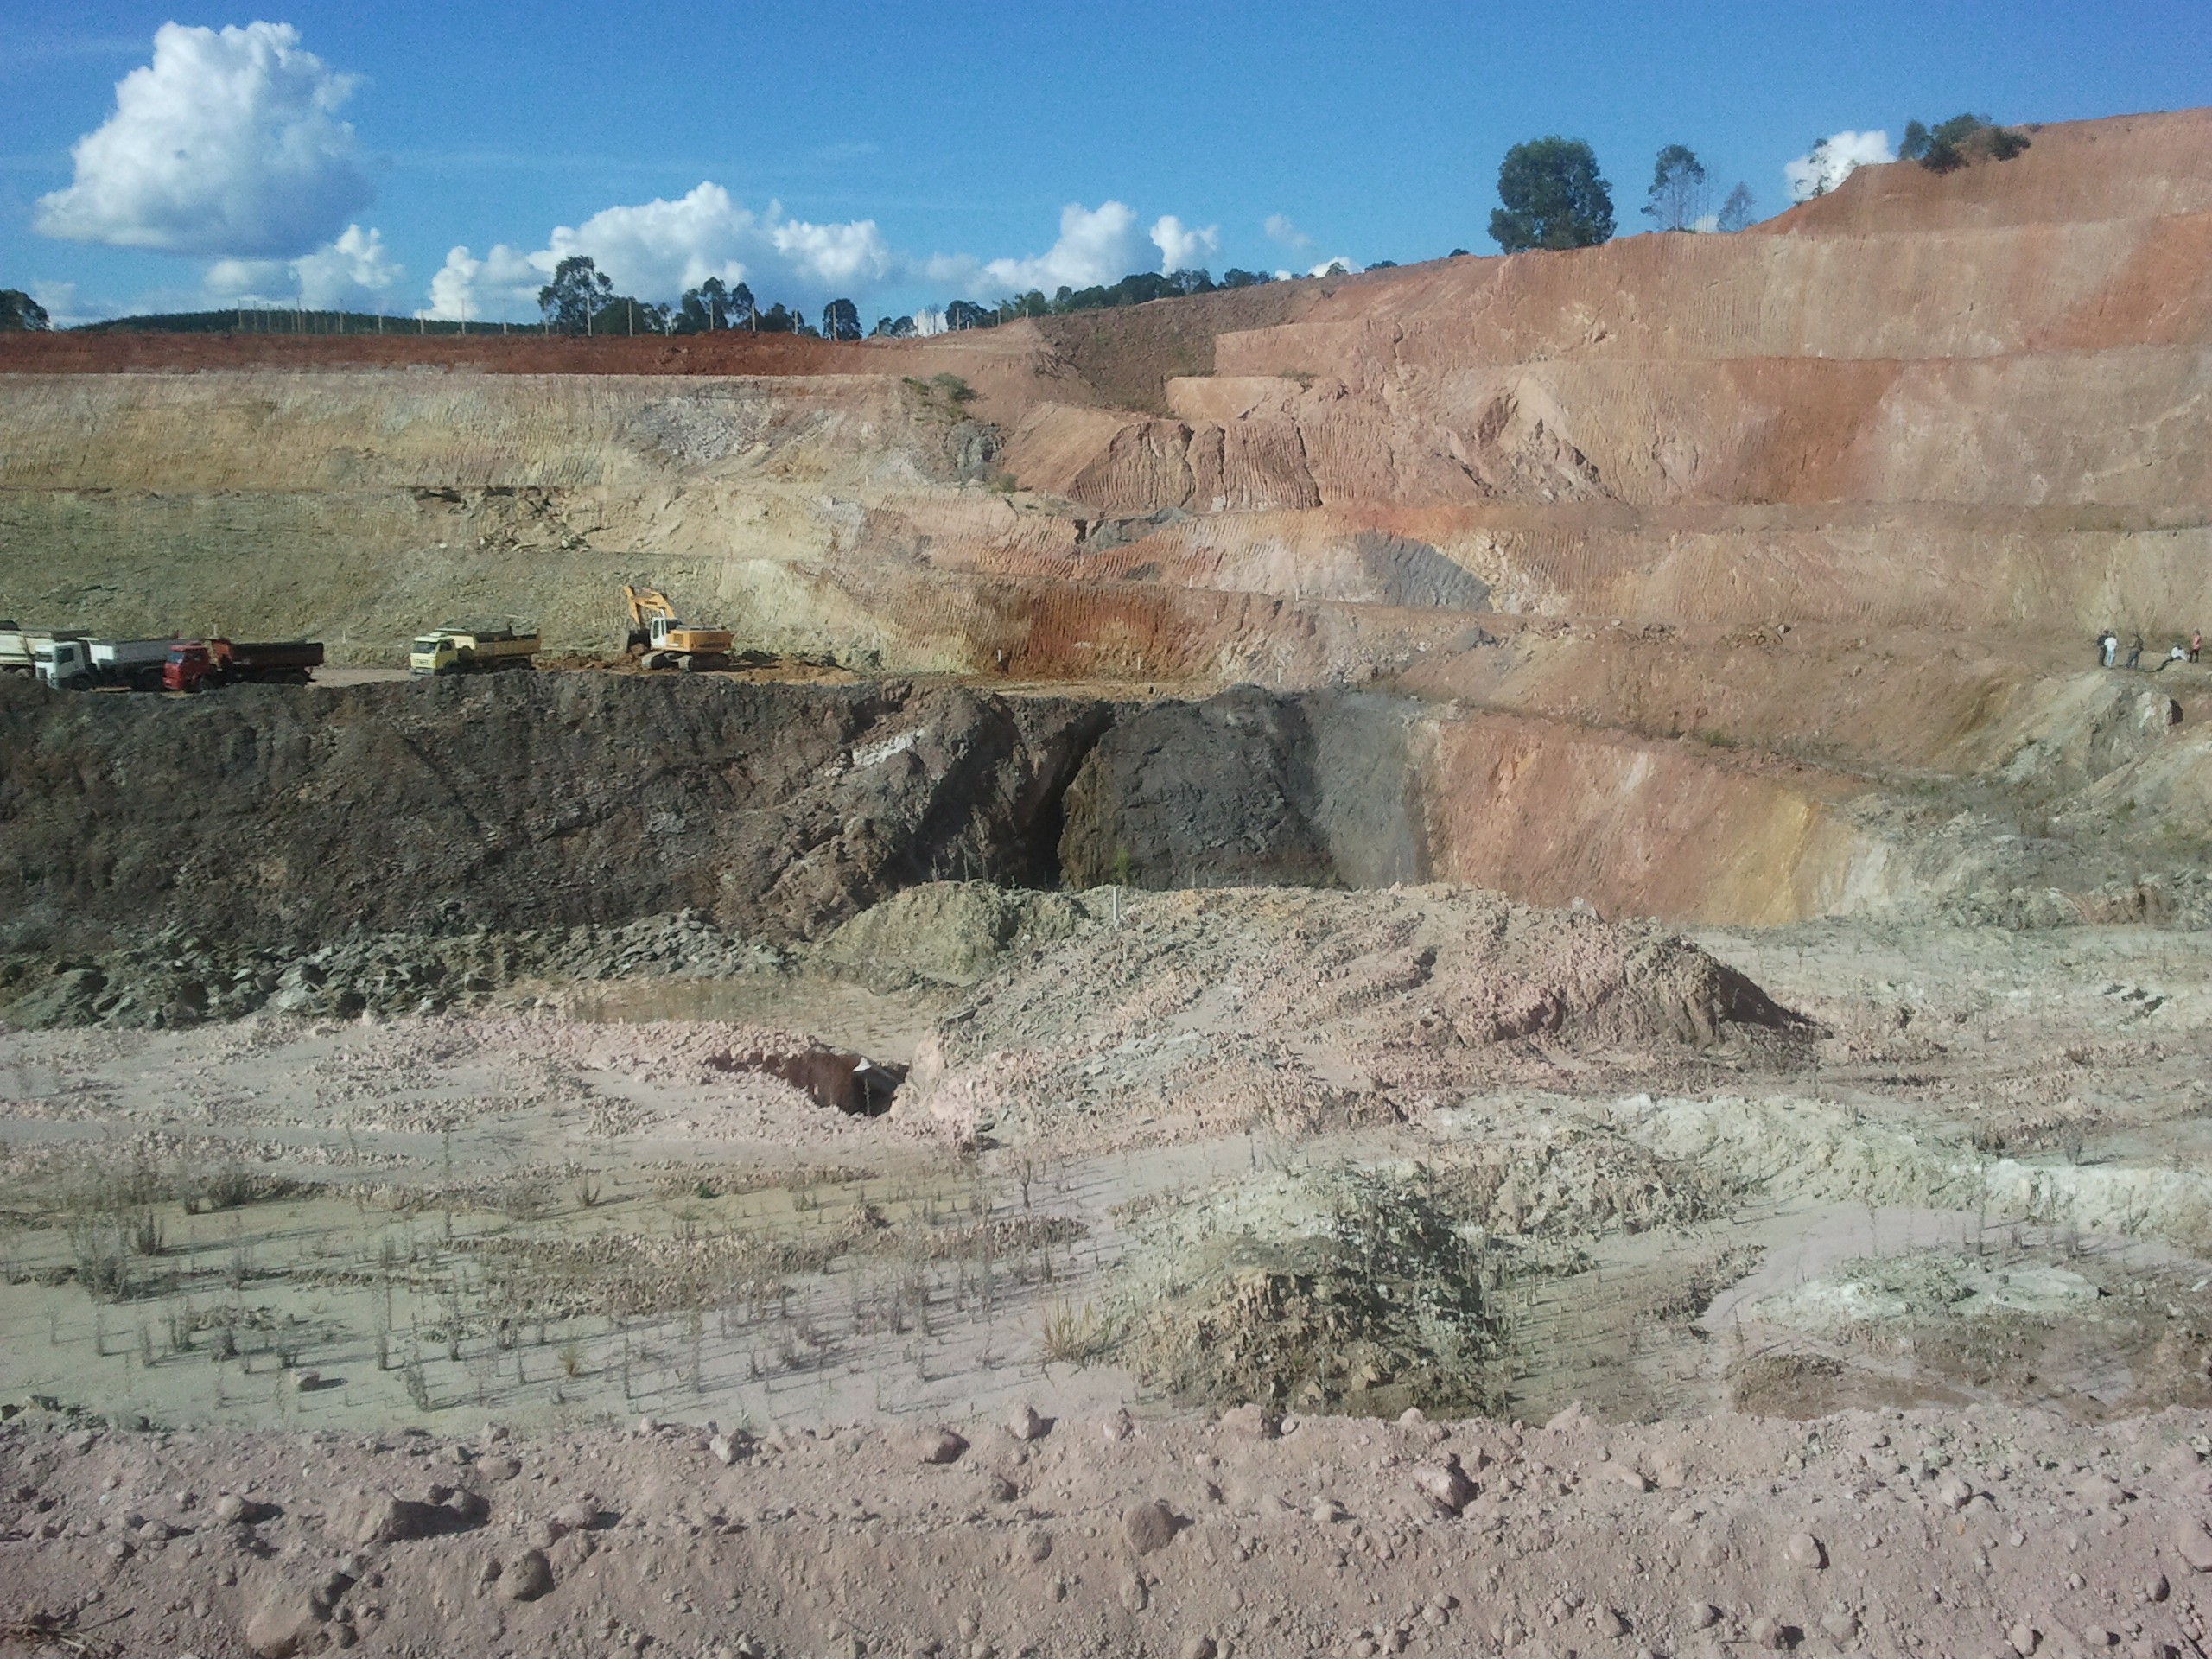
[[353, 269], [835, 256], [1096, 246], [502, 286], [1834, 159], [65, 307], [657, 248], [1282, 231], [1182, 249], [354, 272], [228, 143]]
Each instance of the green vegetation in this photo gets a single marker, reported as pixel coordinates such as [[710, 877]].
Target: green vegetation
[[1382, 1306], [1137, 288], [581, 300], [1679, 199], [942, 396], [1963, 138], [1554, 197], [711, 306], [1676, 199], [251, 320]]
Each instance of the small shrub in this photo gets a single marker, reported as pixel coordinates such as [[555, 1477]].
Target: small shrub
[[1071, 1335], [103, 1265], [1952, 144], [527, 1194]]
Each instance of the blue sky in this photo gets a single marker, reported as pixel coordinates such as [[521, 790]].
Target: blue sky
[[895, 152]]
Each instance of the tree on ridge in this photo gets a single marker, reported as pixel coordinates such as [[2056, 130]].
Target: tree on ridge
[[1676, 199], [1554, 197]]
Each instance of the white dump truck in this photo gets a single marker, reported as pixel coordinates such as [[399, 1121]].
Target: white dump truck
[[19, 644], [80, 665]]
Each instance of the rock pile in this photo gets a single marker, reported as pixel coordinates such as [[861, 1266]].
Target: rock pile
[[1301, 1008], [175, 978]]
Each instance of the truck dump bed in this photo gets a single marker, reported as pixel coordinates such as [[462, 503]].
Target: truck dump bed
[[249, 656]]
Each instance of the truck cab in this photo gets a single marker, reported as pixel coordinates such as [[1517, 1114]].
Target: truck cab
[[63, 664], [188, 664], [433, 653]]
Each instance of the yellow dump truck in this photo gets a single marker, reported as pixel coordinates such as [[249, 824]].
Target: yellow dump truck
[[470, 651]]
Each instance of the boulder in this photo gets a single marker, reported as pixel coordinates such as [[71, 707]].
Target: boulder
[[1805, 1551], [527, 1577], [1445, 1485], [1148, 1527], [939, 1445]]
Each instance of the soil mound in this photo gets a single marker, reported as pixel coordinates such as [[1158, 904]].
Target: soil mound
[[1199, 1011], [946, 933]]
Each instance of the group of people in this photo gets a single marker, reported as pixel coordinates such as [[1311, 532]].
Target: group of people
[[2108, 649]]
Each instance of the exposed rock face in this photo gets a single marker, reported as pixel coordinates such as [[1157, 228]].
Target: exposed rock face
[[1249, 788], [521, 801], [1859, 412]]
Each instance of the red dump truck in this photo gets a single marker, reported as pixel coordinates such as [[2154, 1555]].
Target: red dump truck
[[194, 663]]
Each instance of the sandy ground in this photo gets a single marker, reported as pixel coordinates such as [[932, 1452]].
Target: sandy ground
[[1985, 1532], [1967, 1239]]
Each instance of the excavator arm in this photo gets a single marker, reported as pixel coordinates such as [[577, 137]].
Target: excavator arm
[[646, 603]]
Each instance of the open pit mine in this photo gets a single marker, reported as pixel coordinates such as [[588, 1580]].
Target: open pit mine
[[1478, 959]]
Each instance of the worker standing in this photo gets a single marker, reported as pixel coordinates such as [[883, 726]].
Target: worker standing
[[2196, 643], [2135, 649]]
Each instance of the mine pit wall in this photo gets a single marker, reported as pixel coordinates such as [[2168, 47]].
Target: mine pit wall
[[288, 817], [363, 506], [1352, 790]]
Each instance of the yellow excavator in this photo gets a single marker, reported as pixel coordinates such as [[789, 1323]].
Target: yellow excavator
[[667, 640]]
